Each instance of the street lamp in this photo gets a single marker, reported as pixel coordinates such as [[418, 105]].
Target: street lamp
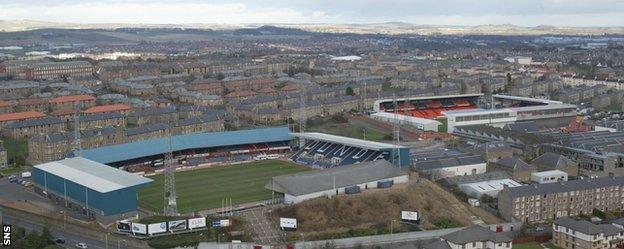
[[64, 219]]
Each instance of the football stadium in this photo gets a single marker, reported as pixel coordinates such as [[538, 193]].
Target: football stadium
[[470, 109]]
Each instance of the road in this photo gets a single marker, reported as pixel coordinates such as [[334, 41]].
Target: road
[[70, 238], [379, 240]]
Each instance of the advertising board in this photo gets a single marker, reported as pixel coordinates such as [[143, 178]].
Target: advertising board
[[124, 226], [410, 216], [288, 223], [155, 228], [139, 228], [197, 222], [177, 225]]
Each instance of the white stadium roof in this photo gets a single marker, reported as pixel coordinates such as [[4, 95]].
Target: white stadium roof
[[93, 175], [546, 101], [353, 142], [406, 118]]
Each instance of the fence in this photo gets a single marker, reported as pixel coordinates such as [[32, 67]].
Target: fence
[[540, 239], [71, 227]]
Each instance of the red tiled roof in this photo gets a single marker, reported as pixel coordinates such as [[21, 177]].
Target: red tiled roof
[[238, 94], [20, 116], [72, 98], [108, 108], [4, 103], [205, 86], [32, 101], [267, 90], [63, 112], [290, 87]]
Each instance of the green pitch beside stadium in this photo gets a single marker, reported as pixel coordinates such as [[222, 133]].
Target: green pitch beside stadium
[[205, 188]]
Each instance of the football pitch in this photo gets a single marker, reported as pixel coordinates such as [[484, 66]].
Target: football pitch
[[205, 188]]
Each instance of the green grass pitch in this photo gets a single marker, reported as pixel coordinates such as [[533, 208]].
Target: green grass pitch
[[204, 189]]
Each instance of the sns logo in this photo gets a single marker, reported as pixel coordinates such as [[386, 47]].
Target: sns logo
[[6, 235]]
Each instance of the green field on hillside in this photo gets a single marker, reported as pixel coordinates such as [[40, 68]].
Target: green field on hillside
[[205, 188]]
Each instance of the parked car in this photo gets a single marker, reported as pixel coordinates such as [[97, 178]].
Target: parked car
[[82, 245], [59, 241]]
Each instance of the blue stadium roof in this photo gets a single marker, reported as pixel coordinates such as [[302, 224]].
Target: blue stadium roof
[[157, 146]]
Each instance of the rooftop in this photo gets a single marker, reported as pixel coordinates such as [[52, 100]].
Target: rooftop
[[108, 108], [72, 98], [586, 227], [93, 175], [354, 142], [317, 181], [475, 233], [560, 187], [20, 116], [157, 146]]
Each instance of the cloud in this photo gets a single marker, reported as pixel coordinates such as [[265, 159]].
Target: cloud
[[151, 12], [443, 12]]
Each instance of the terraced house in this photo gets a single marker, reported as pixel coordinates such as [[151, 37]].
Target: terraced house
[[569, 233], [549, 201], [203, 123], [31, 127], [152, 116], [99, 120], [70, 102], [49, 147]]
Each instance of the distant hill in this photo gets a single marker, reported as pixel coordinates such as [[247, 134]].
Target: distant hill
[[306, 29], [270, 30]]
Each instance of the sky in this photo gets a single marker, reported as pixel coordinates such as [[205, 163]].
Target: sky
[[577, 13]]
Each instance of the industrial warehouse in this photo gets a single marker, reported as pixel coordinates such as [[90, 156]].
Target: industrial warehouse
[[98, 191], [351, 179]]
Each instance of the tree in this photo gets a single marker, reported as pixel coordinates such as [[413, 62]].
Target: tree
[[349, 91], [220, 76], [46, 237], [32, 241]]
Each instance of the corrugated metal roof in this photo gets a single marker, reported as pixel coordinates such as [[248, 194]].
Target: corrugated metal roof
[[93, 175], [317, 181], [157, 146], [354, 142]]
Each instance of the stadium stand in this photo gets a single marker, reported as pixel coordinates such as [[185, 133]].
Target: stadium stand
[[328, 151], [209, 147]]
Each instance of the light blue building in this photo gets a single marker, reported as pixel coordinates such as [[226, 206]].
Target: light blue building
[[96, 190]]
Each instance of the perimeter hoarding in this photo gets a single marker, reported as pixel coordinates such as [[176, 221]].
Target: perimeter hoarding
[[155, 228], [177, 225], [139, 228], [124, 226], [197, 222]]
